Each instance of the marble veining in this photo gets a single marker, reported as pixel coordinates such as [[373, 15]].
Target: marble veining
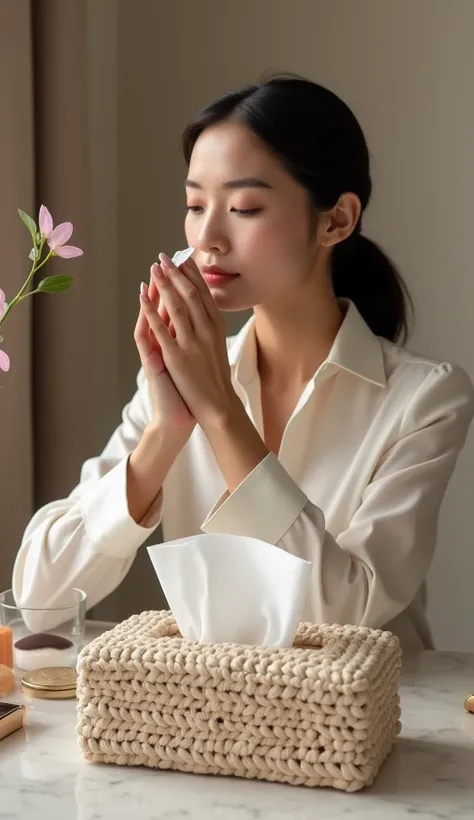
[[430, 773]]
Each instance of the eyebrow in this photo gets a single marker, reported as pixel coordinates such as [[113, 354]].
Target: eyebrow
[[234, 184]]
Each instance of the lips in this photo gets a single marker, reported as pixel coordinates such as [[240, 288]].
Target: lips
[[214, 269], [218, 276]]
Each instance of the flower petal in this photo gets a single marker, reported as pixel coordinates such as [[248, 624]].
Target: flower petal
[[2, 302], [4, 361], [45, 222], [68, 251], [61, 234]]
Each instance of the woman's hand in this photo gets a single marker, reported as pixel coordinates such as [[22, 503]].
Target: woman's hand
[[196, 354], [169, 410]]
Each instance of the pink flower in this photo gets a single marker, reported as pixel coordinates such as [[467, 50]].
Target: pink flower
[[58, 236], [4, 359], [45, 222]]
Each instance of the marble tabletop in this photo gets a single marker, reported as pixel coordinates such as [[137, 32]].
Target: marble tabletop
[[430, 773]]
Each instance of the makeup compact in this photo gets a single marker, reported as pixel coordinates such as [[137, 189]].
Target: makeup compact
[[54, 683], [11, 718], [469, 703]]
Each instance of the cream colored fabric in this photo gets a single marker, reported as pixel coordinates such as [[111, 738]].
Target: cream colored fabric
[[356, 489], [324, 712]]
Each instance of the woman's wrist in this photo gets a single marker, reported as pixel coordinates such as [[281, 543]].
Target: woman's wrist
[[236, 444], [164, 437], [148, 466], [229, 414]]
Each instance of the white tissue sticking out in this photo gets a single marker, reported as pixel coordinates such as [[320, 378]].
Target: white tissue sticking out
[[232, 589], [180, 257]]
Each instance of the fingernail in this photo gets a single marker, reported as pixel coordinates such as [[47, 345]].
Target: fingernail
[[166, 261], [144, 292]]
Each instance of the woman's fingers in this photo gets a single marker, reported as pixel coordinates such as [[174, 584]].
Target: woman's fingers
[[152, 289], [147, 345], [174, 305], [166, 319], [157, 325], [141, 335], [154, 295], [190, 270], [176, 282], [142, 331]]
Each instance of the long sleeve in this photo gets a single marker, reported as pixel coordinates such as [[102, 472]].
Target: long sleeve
[[373, 570], [88, 540]]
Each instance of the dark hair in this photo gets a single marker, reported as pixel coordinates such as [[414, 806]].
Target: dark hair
[[319, 141]]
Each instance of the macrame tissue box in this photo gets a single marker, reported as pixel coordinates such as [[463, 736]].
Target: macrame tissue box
[[324, 712]]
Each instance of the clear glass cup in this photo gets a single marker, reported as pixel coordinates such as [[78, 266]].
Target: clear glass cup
[[47, 636]]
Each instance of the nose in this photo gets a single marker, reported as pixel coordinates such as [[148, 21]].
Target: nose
[[211, 238]]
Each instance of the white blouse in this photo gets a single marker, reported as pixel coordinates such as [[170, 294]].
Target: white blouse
[[356, 489]]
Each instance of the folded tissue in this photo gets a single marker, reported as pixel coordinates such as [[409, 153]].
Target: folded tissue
[[232, 589], [180, 257]]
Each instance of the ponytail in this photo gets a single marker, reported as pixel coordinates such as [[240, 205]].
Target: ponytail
[[363, 273]]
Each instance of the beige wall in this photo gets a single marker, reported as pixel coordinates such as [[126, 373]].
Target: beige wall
[[17, 190], [406, 68], [102, 74]]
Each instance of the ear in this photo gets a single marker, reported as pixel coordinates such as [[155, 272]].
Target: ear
[[339, 223]]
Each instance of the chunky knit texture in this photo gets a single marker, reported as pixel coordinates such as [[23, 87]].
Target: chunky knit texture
[[324, 712]]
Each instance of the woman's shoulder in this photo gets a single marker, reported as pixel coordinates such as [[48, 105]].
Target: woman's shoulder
[[415, 374]]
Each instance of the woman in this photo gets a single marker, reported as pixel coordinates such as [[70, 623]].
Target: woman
[[313, 430]]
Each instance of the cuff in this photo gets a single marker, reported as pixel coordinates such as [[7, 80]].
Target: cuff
[[107, 519], [263, 506]]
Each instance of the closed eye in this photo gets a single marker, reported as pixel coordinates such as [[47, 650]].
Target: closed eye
[[246, 211], [195, 209]]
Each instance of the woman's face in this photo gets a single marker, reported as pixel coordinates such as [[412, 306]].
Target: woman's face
[[247, 216]]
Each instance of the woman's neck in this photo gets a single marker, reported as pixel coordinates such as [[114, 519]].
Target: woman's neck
[[294, 339]]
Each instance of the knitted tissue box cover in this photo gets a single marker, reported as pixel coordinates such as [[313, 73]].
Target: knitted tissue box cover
[[324, 712]]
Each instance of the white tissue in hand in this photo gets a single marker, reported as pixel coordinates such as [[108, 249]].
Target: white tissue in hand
[[180, 257], [229, 588]]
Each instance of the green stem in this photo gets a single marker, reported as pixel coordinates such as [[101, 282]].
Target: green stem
[[21, 293], [30, 293]]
